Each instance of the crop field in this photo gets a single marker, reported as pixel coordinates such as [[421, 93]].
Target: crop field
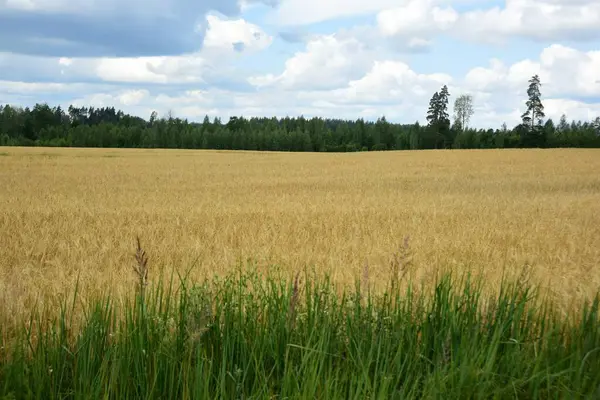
[[66, 213], [265, 228]]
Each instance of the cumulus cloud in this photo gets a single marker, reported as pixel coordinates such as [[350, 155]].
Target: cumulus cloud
[[133, 97], [226, 34], [391, 82], [329, 61], [537, 19], [122, 28], [416, 19], [571, 72], [172, 69], [575, 109], [481, 20]]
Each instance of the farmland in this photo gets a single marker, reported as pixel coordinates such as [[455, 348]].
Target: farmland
[[69, 218], [65, 212]]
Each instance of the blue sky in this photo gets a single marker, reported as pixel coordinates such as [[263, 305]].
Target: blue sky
[[330, 58]]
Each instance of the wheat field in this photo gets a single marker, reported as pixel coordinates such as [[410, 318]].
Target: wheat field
[[69, 213]]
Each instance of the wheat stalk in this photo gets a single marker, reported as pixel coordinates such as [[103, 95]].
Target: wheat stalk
[[141, 267]]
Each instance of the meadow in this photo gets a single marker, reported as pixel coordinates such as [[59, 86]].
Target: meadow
[[69, 219]]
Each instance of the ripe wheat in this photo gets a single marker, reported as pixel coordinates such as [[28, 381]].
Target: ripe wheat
[[75, 213]]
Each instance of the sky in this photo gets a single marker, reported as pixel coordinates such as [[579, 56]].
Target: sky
[[329, 58]]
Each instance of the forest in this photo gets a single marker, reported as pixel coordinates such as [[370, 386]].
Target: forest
[[43, 125]]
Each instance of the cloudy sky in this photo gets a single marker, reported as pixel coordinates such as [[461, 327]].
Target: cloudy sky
[[331, 58]]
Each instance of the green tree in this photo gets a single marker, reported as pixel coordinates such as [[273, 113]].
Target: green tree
[[549, 131], [43, 125], [433, 112], [535, 109], [532, 132], [438, 133], [385, 134]]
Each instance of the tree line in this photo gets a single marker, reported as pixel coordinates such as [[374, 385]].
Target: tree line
[[43, 125]]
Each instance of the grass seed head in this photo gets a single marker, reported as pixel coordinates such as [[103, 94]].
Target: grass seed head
[[141, 266]]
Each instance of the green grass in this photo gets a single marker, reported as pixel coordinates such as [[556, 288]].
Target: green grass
[[254, 337]]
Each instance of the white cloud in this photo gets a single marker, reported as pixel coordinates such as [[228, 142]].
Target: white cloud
[[419, 43], [539, 19], [187, 97], [571, 72], [65, 61], [224, 34], [485, 21], [174, 69], [30, 87], [416, 18], [481, 78], [574, 109], [133, 97], [328, 62], [391, 81], [136, 70]]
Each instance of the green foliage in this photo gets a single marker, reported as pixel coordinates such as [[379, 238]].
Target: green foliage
[[531, 131], [245, 336], [535, 109], [106, 127], [438, 133]]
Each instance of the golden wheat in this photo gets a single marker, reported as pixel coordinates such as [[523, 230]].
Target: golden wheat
[[70, 212]]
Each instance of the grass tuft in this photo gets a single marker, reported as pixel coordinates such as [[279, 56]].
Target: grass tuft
[[250, 336]]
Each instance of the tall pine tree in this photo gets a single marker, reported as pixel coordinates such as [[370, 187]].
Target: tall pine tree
[[535, 109], [532, 133]]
